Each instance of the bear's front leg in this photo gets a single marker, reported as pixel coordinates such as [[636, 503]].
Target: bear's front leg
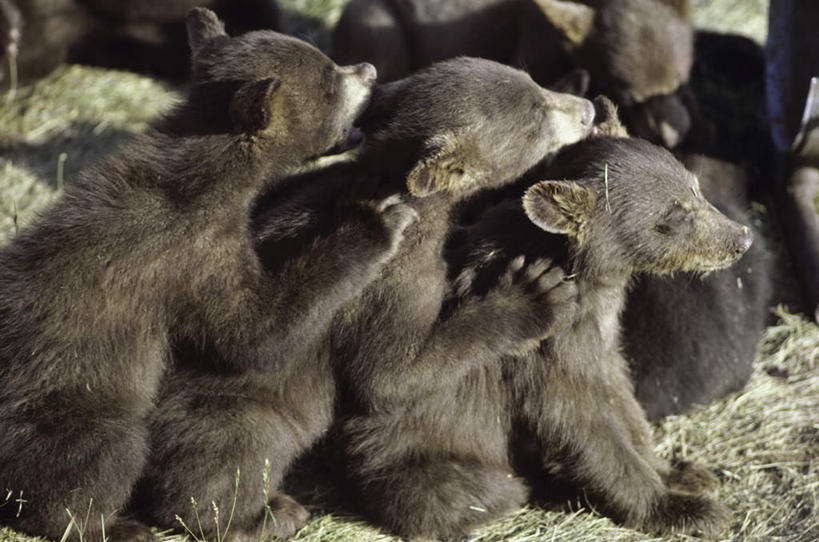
[[579, 424], [336, 257], [678, 475], [528, 303]]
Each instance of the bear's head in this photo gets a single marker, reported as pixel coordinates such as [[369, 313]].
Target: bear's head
[[474, 122], [275, 87], [638, 52], [629, 206]]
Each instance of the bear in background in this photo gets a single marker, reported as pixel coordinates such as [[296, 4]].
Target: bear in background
[[639, 52], [150, 247], [691, 339], [146, 36], [436, 462]]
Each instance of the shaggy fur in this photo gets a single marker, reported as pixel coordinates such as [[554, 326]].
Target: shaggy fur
[[388, 349], [438, 461], [414, 137], [692, 339], [639, 52], [150, 247], [142, 35], [212, 426]]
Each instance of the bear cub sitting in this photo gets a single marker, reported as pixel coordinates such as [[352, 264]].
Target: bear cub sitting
[[438, 464], [149, 248]]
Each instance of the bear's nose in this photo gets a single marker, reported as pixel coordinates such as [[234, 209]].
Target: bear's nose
[[367, 72], [743, 241], [587, 114]]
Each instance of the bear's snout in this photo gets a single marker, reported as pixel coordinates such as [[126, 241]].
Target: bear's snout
[[743, 241], [587, 114], [366, 72]]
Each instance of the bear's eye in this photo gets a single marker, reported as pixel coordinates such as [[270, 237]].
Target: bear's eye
[[663, 229]]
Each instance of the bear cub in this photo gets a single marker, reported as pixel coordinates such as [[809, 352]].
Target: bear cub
[[149, 248], [690, 339], [146, 36], [438, 463], [473, 124]]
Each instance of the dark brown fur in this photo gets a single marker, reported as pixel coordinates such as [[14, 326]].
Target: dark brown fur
[[639, 52], [211, 424], [214, 425], [147, 36], [37, 36], [388, 349], [148, 248], [436, 461], [691, 339]]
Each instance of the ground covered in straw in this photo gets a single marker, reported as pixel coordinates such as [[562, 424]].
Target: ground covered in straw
[[763, 443]]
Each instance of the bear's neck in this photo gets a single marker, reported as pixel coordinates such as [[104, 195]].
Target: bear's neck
[[190, 171], [602, 285], [389, 163], [386, 165]]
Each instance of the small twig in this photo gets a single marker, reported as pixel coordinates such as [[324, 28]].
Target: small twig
[[71, 525], [20, 500], [198, 521], [61, 170], [14, 218], [11, 51], [87, 518], [235, 498], [216, 520], [266, 493], [184, 526]]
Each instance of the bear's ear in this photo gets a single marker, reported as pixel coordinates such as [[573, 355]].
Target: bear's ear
[[251, 106], [607, 119], [575, 82], [562, 207], [203, 25], [572, 19], [443, 168]]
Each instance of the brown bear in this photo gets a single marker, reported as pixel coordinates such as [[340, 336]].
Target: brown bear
[[442, 133], [36, 37], [435, 456], [151, 247], [688, 338], [214, 423], [140, 35], [498, 123], [639, 52]]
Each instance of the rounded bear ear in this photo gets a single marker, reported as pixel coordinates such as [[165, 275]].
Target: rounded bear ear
[[251, 105], [573, 20], [442, 169], [202, 25], [562, 207], [607, 119], [575, 82]]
